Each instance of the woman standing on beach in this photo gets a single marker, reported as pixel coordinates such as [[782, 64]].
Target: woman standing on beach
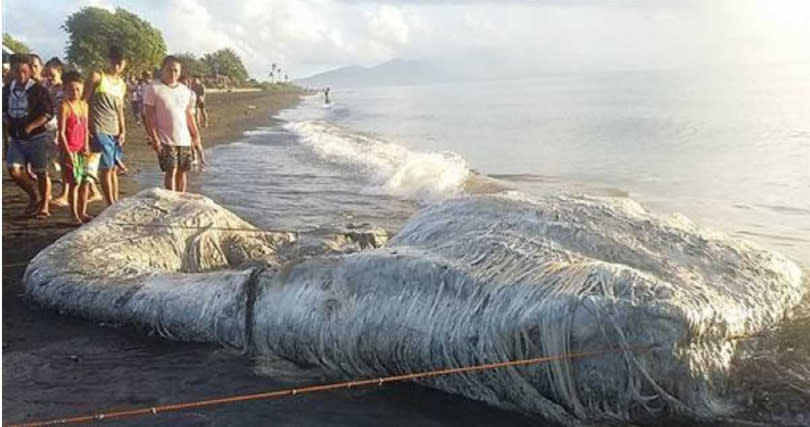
[[105, 90]]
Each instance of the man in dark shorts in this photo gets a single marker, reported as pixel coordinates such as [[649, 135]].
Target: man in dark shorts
[[170, 124], [199, 89], [27, 108]]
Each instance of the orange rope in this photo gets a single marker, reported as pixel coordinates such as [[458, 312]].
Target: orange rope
[[317, 388]]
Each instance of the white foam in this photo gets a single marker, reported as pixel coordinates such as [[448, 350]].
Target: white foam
[[261, 131], [389, 167]]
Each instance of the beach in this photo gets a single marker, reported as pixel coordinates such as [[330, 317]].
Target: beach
[[284, 162], [31, 334], [310, 170], [58, 366], [230, 115], [28, 329], [409, 214]]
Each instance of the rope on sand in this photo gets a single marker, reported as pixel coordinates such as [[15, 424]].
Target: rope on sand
[[155, 410]]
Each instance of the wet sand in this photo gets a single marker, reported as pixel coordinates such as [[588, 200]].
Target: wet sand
[[56, 366]]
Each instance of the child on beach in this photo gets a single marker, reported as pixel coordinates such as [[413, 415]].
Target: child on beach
[[74, 141]]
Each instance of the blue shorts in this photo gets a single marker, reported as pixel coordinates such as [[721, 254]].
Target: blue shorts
[[32, 151], [107, 145]]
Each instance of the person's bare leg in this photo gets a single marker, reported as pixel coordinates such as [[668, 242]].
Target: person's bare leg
[[114, 179], [21, 178], [73, 198], [83, 190], [93, 195], [62, 198], [180, 180], [122, 168], [168, 179], [44, 184], [106, 184]]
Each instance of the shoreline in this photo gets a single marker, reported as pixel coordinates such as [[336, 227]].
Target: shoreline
[[58, 366], [63, 344], [230, 115], [27, 328]]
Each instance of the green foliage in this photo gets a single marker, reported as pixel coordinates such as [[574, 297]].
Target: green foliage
[[93, 30], [226, 62], [192, 65], [15, 45]]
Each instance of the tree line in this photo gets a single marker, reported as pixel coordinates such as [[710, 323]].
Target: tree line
[[14, 44], [92, 30]]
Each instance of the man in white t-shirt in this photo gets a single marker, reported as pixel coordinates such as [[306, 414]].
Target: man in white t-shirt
[[170, 124]]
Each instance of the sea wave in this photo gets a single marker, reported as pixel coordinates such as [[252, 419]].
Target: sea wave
[[389, 167]]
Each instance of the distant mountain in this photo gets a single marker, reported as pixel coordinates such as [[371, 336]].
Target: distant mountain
[[471, 66], [397, 72]]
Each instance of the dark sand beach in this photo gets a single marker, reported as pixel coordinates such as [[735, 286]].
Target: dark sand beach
[[56, 366]]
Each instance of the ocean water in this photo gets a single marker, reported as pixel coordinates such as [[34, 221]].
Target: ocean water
[[728, 148]]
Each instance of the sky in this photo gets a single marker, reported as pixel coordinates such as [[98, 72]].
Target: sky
[[310, 36]]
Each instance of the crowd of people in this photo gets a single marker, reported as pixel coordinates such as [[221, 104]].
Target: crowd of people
[[74, 124]]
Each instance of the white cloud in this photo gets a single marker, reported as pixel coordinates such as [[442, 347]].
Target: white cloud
[[306, 36], [387, 24]]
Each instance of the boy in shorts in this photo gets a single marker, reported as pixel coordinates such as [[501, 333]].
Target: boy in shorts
[[105, 91]]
